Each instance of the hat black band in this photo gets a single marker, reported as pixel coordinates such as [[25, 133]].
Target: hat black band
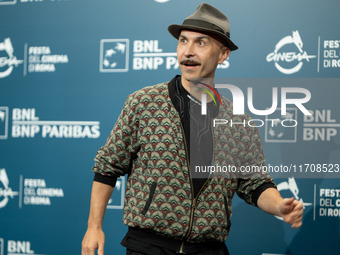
[[204, 24]]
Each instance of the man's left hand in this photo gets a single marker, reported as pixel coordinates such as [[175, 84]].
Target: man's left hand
[[291, 211]]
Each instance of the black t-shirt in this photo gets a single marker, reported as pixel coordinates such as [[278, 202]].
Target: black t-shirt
[[197, 130]]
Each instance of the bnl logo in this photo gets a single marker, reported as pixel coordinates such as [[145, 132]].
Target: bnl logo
[[276, 132], [114, 55], [3, 123]]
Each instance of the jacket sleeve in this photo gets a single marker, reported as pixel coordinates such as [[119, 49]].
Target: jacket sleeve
[[252, 184], [115, 157]]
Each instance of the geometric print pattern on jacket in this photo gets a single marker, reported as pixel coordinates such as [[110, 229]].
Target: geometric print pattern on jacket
[[148, 143]]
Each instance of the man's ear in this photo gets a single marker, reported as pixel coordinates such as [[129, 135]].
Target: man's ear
[[224, 54]]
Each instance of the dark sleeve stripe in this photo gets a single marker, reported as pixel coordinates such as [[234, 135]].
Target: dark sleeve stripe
[[260, 189], [109, 180]]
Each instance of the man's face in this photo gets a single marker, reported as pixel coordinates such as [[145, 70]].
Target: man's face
[[198, 55]]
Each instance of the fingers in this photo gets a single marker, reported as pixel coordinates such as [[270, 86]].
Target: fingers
[[90, 251], [296, 221], [92, 241], [294, 218], [294, 215], [101, 248], [287, 205], [87, 248], [288, 201]]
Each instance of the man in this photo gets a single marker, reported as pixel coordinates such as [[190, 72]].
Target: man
[[156, 138]]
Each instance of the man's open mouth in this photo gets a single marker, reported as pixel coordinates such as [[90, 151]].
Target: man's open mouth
[[190, 63]]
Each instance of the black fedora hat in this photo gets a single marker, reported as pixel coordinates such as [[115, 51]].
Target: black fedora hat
[[209, 20]]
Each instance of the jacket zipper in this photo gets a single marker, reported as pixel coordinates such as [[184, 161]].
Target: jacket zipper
[[194, 199], [213, 145]]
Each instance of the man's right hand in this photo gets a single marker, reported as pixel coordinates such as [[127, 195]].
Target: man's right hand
[[94, 239]]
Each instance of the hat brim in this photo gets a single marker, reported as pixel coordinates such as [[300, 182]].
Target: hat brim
[[175, 31]]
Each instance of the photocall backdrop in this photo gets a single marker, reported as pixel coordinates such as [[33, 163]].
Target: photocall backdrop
[[66, 68]]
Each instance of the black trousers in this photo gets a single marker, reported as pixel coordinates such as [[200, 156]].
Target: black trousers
[[222, 251]]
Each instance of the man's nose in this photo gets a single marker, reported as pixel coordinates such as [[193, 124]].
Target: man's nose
[[189, 50]]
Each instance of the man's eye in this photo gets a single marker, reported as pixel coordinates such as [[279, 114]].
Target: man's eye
[[201, 43]]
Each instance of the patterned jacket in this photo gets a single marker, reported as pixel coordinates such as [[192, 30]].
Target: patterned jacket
[[148, 143]]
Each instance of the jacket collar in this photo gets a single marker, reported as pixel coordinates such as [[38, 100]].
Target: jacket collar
[[172, 89], [174, 98]]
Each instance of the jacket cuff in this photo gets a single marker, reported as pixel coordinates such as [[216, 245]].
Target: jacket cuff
[[258, 191], [109, 180]]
